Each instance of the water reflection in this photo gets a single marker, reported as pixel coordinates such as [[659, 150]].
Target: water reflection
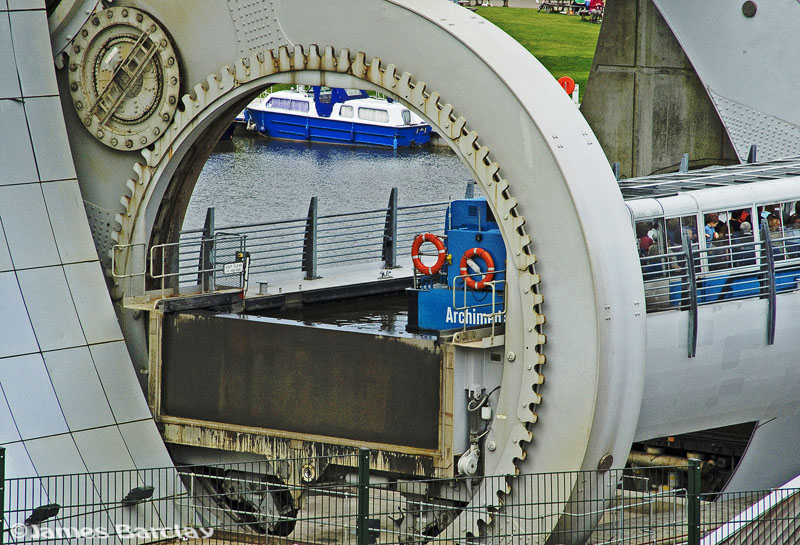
[[256, 179]]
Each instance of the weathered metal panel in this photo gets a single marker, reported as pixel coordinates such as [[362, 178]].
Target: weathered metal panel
[[286, 376]]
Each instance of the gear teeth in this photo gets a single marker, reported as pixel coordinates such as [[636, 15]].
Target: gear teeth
[[329, 60], [442, 115], [314, 60], [284, 59], [343, 61], [359, 66]]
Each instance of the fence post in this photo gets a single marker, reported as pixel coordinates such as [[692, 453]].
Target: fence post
[[206, 275], [390, 232], [693, 503], [362, 521], [310, 242], [2, 492]]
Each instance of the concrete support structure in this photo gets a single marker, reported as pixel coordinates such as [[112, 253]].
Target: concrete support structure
[[645, 102]]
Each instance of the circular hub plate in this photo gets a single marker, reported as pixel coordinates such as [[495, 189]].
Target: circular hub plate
[[123, 78]]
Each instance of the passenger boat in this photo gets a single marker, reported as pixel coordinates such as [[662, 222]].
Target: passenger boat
[[337, 116]]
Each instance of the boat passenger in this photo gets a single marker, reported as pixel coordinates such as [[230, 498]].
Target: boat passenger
[[719, 256], [712, 220], [644, 241], [744, 255]]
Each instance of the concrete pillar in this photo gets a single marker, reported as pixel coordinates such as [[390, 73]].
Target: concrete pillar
[[644, 100]]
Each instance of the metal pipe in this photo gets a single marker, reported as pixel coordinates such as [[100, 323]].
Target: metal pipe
[[644, 459]]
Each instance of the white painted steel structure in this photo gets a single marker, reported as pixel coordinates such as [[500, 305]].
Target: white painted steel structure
[[567, 231]]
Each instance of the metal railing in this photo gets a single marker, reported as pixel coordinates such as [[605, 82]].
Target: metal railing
[[337, 500], [687, 277], [318, 242], [488, 309]]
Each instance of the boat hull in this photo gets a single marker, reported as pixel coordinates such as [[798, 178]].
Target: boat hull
[[297, 127]]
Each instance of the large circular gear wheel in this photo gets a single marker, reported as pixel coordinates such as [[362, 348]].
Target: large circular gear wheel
[[124, 78]]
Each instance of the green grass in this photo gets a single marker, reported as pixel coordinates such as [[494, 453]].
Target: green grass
[[563, 43]]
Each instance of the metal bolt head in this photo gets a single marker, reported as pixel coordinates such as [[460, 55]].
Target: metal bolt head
[[605, 462], [511, 356], [491, 445]]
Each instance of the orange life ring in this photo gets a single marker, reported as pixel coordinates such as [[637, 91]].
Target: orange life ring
[[418, 264], [488, 275]]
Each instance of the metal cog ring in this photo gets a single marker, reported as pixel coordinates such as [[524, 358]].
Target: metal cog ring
[[124, 78], [271, 62]]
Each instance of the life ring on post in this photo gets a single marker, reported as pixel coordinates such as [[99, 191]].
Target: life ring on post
[[418, 264], [487, 276]]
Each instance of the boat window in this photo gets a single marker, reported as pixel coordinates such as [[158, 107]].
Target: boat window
[[346, 111], [287, 104], [677, 228], [373, 114], [406, 117], [783, 222], [729, 239]]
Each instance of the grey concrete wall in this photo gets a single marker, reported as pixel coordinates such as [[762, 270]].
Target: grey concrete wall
[[644, 100]]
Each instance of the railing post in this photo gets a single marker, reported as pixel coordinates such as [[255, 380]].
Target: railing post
[[362, 522], [692, 281], [310, 242], [769, 260], [684, 163], [205, 275], [390, 233], [752, 154], [615, 169], [469, 192], [693, 491], [2, 492]]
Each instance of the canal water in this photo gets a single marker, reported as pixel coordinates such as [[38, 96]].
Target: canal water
[[255, 179]]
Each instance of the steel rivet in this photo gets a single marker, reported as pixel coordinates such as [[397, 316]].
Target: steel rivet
[[128, 143], [511, 356], [491, 445]]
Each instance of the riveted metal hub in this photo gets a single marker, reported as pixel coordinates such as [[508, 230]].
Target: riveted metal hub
[[124, 78]]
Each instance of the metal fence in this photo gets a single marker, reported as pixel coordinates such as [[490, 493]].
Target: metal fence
[[337, 500]]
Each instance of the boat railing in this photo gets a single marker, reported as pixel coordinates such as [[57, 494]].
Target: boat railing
[[688, 276], [488, 310]]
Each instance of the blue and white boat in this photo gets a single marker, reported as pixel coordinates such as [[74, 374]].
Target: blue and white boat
[[337, 116]]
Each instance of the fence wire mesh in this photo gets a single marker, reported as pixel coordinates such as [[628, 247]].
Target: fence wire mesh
[[335, 500]]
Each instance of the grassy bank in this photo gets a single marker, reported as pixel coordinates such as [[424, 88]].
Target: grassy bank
[[563, 43]]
